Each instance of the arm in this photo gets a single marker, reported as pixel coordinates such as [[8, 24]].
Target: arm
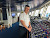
[[23, 23]]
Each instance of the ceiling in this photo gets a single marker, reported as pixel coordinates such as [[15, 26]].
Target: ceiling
[[33, 3]]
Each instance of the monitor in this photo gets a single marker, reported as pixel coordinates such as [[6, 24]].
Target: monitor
[[13, 15], [47, 15]]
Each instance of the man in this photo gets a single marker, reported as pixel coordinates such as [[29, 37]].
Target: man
[[24, 23]]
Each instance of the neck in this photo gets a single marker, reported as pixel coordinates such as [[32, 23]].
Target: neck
[[25, 12]]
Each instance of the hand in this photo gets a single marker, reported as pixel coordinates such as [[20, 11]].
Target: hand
[[29, 29]]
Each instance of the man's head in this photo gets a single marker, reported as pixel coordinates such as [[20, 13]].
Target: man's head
[[27, 8]]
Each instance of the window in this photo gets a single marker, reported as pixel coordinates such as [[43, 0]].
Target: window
[[18, 14], [48, 11], [36, 13]]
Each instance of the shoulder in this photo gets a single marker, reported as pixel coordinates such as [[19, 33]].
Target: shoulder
[[21, 13]]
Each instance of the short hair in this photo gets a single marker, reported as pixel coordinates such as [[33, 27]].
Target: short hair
[[27, 6]]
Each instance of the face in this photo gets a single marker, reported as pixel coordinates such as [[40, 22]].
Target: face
[[27, 9]]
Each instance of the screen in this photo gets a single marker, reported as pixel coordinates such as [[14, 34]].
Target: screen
[[13, 14], [47, 15]]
